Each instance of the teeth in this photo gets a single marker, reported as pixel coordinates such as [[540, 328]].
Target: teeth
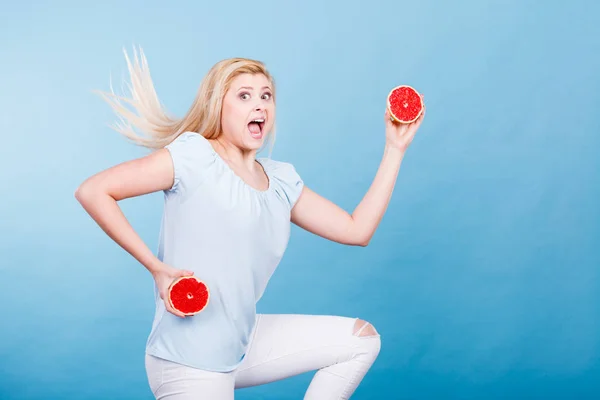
[[259, 120]]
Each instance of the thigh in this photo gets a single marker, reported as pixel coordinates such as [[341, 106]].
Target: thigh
[[169, 380], [284, 345]]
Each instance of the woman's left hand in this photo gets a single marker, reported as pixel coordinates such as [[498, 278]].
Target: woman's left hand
[[399, 136]]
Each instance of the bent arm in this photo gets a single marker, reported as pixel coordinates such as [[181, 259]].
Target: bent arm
[[100, 193], [324, 218]]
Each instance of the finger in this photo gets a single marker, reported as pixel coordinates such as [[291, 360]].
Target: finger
[[173, 310], [387, 118], [403, 128], [418, 120], [180, 273], [415, 127], [407, 140], [411, 135]]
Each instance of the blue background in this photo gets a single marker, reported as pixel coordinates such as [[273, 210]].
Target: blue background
[[483, 276]]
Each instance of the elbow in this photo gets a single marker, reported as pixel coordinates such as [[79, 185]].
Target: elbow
[[362, 241], [85, 193], [357, 237], [81, 193]]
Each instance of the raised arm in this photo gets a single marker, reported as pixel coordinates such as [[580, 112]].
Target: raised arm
[[322, 217]]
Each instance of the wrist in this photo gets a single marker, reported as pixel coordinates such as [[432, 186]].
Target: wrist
[[393, 151], [155, 267]]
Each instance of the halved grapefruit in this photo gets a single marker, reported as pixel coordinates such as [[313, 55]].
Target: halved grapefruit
[[404, 104], [189, 295]]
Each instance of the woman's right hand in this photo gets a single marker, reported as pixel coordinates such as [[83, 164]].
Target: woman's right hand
[[164, 275]]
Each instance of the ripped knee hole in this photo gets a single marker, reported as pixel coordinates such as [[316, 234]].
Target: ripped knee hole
[[364, 328]]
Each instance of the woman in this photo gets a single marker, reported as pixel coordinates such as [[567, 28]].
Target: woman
[[227, 221]]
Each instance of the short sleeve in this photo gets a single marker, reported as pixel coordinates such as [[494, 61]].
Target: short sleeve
[[191, 155], [289, 181]]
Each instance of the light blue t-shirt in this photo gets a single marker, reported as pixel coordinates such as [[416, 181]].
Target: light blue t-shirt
[[232, 236]]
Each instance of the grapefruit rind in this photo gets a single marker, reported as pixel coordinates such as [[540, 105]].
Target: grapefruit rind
[[176, 281], [389, 106]]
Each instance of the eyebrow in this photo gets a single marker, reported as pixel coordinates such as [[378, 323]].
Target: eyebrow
[[249, 88]]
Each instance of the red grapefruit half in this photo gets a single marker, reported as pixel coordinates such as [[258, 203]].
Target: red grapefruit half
[[189, 295], [404, 104]]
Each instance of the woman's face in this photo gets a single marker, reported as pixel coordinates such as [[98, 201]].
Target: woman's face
[[248, 111]]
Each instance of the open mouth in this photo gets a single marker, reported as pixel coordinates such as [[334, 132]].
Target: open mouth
[[256, 127]]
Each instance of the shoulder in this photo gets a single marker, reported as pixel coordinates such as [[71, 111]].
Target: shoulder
[[189, 139], [192, 156], [287, 180], [191, 147], [279, 169]]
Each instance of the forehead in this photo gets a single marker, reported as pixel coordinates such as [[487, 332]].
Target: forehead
[[255, 81]]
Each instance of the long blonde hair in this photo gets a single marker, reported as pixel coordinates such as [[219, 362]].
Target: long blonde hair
[[156, 124]]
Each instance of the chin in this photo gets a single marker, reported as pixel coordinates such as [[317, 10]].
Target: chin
[[254, 143]]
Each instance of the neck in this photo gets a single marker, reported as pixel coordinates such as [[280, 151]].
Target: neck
[[235, 155]]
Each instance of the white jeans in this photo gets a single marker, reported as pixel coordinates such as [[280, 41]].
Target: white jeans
[[282, 345]]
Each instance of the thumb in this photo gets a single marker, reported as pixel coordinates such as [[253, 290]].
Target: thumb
[[386, 117], [185, 272]]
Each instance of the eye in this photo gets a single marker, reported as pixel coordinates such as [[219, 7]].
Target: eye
[[245, 96], [267, 96]]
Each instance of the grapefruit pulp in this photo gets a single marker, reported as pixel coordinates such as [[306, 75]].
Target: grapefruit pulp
[[404, 104], [189, 295]]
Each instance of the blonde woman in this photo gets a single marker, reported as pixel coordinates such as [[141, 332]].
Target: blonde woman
[[226, 220]]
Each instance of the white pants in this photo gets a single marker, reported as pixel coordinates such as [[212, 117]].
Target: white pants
[[281, 346]]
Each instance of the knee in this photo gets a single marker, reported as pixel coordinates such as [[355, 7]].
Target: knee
[[364, 328], [370, 339]]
